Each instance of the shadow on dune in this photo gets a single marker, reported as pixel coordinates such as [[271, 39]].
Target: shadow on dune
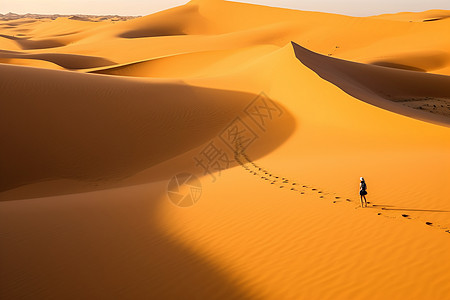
[[99, 130], [381, 86], [397, 66], [21, 22], [67, 61], [108, 245], [151, 32], [170, 22], [391, 207], [27, 44], [435, 19]]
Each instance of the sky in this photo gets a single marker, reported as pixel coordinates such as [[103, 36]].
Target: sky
[[145, 7]]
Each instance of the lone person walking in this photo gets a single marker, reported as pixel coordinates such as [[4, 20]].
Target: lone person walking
[[363, 192]]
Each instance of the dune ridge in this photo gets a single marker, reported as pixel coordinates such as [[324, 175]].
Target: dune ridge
[[374, 84]]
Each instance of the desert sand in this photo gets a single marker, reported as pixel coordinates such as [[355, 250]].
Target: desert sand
[[97, 116]]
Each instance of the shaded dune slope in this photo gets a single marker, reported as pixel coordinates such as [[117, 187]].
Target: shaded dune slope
[[28, 44], [425, 16], [422, 61], [381, 86], [115, 250], [68, 61], [89, 127]]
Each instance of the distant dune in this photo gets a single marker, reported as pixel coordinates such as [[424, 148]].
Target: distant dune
[[13, 16], [376, 84], [277, 112]]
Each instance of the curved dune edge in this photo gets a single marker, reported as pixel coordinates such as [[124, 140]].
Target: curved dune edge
[[67, 61], [90, 127], [191, 64], [31, 62], [177, 65], [425, 61], [381, 86], [28, 44]]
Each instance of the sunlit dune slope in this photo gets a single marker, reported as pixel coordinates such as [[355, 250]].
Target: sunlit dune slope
[[220, 25], [339, 136]]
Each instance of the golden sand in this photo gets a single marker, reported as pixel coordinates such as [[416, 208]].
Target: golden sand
[[97, 117]]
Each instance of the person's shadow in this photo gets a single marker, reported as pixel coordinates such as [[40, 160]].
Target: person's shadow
[[391, 207]]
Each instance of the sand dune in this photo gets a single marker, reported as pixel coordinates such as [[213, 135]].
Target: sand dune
[[205, 63], [376, 84], [426, 16], [66, 61], [97, 116], [27, 44], [421, 61], [30, 62], [141, 132]]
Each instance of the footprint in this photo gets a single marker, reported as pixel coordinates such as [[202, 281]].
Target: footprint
[[285, 180]]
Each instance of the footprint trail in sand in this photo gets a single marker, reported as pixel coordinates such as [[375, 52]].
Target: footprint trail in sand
[[305, 189]]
